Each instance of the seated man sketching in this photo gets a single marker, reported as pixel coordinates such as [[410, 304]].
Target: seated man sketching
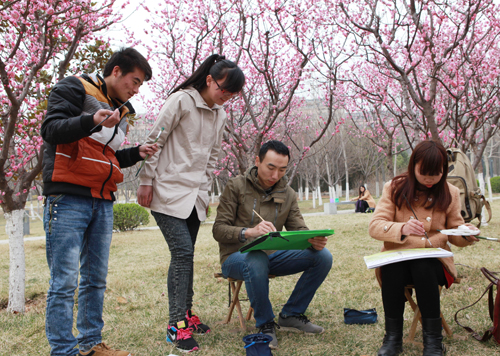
[[263, 192]]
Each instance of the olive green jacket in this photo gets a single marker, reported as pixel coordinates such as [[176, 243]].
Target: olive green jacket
[[242, 195]]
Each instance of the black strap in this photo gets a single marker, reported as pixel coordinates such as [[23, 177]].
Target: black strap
[[494, 281]]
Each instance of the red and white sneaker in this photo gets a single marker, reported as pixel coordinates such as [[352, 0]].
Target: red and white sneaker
[[195, 324]]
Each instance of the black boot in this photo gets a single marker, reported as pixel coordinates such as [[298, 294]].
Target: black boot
[[433, 337], [393, 339]]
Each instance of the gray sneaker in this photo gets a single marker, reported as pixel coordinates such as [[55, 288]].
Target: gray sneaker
[[269, 328], [299, 324]]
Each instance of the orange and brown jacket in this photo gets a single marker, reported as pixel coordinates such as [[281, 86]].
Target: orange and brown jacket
[[77, 161]]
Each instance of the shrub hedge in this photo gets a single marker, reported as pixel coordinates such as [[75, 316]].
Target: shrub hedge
[[495, 184], [128, 216]]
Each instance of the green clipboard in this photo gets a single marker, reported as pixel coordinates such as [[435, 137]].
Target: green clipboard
[[285, 240]]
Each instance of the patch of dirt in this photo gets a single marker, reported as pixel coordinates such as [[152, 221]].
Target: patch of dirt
[[35, 303]]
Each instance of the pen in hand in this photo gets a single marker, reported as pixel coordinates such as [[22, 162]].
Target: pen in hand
[[256, 213], [264, 226], [147, 156], [425, 232], [107, 117]]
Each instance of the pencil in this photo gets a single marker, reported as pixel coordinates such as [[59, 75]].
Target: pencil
[[107, 117], [147, 156], [425, 232], [256, 213]]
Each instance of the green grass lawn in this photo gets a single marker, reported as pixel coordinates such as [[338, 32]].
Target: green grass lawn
[[136, 305]]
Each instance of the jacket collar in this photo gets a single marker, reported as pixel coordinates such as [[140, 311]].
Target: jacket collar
[[278, 192], [198, 99], [96, 80]]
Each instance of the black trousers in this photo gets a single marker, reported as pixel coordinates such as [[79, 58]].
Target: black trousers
[[425, 274], [361, 206]]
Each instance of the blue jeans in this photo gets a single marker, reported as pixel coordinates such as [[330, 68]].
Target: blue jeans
[[255, 266], [180, 235], [78, 237]]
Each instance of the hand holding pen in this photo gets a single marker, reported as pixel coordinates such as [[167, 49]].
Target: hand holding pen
[[318, 242], [414, 225], [264, 227], [107, 118], [147, 156]]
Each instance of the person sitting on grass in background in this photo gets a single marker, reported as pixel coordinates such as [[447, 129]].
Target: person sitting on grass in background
[[263, 190], [365, 201], [413, 208]]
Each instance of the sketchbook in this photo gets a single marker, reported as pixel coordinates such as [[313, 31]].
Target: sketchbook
[[393, 256], [285, 240]]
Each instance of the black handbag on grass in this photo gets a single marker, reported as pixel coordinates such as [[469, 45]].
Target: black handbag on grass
[[353, 316]]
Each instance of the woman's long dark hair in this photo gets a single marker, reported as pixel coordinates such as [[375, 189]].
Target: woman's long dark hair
[[433, 161], [361, 192], [219, 68]]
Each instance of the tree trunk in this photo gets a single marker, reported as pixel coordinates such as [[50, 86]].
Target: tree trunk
[[14, 229], [330, 182], [395, 163], [487, 175], [377, 187], [346, 168]]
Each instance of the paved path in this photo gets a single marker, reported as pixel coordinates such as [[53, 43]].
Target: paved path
[[35, 238]]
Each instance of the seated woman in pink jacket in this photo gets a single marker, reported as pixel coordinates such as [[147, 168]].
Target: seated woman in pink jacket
[[413, 207]]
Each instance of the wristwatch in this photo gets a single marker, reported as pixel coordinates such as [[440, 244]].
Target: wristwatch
[[241, 235]]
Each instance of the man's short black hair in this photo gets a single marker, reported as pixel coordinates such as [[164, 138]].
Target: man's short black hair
[[128, 59], [276, 146]]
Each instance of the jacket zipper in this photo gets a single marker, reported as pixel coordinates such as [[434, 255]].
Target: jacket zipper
[[253, 210], [101, 193]]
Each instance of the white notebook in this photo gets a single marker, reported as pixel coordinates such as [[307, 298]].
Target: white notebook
[[393, 256]]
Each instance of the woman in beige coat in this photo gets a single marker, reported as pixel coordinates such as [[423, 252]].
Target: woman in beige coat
[[176, 180], [413, 207], [364, 200]]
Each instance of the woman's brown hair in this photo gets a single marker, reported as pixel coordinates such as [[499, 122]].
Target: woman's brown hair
[[361, 192], [433, 161]]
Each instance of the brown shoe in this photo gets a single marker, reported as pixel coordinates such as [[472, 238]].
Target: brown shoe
[[103, 350]]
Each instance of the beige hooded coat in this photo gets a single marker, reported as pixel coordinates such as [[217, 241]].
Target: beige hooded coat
[[180, 172]]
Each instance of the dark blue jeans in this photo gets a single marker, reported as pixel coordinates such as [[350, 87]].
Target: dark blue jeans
[[255, 266], [78, 237], [180, 235]]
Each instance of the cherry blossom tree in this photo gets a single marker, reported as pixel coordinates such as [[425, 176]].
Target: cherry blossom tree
[[39, 40], [274, 45], [442, 55]]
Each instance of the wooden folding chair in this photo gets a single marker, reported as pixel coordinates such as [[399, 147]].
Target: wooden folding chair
[[417, 316], [234, 287]]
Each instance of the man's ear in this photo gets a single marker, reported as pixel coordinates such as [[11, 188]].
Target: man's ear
[[257, 161], [117, 71]]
